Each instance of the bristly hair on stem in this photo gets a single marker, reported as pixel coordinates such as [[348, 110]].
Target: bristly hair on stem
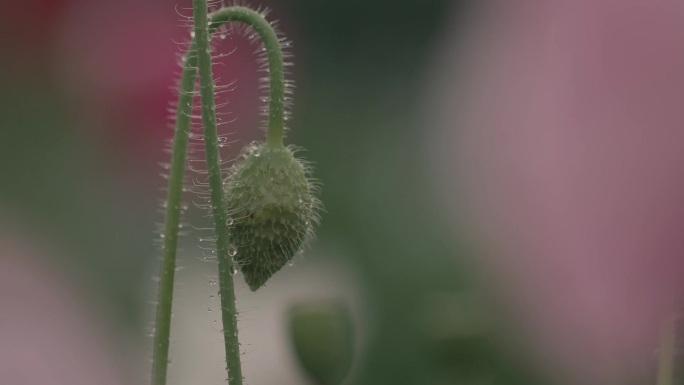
[[225, 260], [268, 226], [174, 204]]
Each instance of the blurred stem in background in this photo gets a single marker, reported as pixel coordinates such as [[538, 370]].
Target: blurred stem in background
[[666, 352]]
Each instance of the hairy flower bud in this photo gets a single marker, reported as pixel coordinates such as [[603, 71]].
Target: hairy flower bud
[[271, 210]]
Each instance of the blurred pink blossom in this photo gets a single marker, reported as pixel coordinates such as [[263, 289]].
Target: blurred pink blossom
[[566, 122], [119, 62], [47, 333], [26, 31]]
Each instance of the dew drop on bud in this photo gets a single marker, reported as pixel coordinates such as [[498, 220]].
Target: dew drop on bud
[[232, 251]]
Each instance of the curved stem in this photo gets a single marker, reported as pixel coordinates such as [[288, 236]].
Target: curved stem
[[173, 212], [274, 138], [274, 52], [200, 44]]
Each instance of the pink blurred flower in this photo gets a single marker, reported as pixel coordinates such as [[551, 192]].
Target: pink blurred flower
[[566, 123], [119, 62], [47, 334], [26, 31]]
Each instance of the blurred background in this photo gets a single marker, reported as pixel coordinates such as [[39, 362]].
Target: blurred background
[[502, 184]]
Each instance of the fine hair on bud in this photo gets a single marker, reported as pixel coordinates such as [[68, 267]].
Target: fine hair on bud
[[272, 208]]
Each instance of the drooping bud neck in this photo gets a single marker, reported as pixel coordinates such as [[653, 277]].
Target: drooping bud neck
[[274, 54]]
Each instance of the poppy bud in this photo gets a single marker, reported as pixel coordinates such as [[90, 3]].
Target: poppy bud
[[271, 210]]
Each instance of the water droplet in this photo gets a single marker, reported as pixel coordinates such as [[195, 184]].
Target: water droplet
[[291, 264], [232, 251], [211, 296], [192, 33], [229, 221], [233, 271], [209, 310]]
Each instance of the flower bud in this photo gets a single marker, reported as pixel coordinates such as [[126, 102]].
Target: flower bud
[[271, 210], [322, 335]]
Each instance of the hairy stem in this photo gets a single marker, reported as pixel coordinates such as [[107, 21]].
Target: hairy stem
[[274, 52], [197, 58], [174, 198], [225, 260]]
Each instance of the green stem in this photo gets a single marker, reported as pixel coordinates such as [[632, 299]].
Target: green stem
[[174, 199], [198, 57], [274, 52], [666, 352], [225, 260], [274, 138]]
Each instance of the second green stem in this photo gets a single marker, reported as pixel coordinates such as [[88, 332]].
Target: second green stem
[[225, 261]]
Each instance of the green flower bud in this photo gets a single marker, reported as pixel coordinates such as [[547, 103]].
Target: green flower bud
[[271, 210], [322, 334]]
